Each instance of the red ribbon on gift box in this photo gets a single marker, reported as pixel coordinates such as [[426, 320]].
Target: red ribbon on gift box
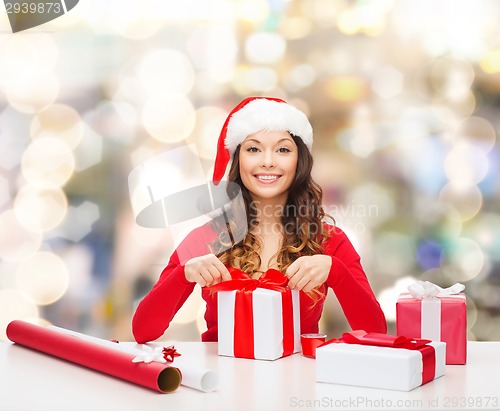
[[384, 340], [243, 328]]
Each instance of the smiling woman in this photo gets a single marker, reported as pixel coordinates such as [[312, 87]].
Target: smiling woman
[[268, 143]]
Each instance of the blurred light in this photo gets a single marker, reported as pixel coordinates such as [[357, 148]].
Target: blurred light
[[48, 163], [261, 79], [490, 61], [215, 49], [300, 76], [89, 152], [26, 55], [32, 93], [452, 111], [485, 230], [387, 82], [15, 306], [189, 310], [439, 222], [362, 18], [116, 120], [335, 169], [58, 121], [369, 203], [429, 254], [477, 131], [252, 11], [265, 48], [394, 254], [78, 222], [44, 277], [387, 298], [79, 259], [209, 122], [465, 258], [471, 312], [362, 136], [465, 165], [451, 77], [169, 118], [346, 89], [459, 28], [14, 137], [142, 154], [132, 19], [467, 200], [16, 242], [165, 71], [214, 10], [40, 210], [171, 172], [297, 27], [4, 191]]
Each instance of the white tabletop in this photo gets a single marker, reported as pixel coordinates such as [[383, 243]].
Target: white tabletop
[[30, 380]]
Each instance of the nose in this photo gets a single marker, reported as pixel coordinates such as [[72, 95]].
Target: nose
[[268, 160]]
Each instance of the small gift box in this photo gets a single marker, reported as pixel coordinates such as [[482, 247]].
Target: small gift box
[[431, 312], [257, 318], [380, 361]]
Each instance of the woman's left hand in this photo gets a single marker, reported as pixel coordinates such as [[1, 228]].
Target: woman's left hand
[[308, 272]]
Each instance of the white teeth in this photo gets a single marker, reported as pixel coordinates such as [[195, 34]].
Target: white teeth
[[267, 178]]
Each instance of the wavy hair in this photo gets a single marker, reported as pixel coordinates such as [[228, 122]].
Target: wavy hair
[[301, 221]]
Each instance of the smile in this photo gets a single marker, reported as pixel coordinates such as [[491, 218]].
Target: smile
[[267, 178]]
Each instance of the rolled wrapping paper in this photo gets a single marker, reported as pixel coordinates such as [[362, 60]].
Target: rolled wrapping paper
[[156, 376], [199, 378]]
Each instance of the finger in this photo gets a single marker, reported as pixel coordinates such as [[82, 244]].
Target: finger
[[309, 286], [206, 276], [292, 282], [215, 273], [293, 269], [225, 274], [302, 283]]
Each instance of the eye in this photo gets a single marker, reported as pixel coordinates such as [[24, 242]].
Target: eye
[[252, 149], [284, 150]]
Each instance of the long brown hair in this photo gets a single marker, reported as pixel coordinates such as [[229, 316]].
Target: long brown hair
[[301, 220]]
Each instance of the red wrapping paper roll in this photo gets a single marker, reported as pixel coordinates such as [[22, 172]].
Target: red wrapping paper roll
[[156, 376]]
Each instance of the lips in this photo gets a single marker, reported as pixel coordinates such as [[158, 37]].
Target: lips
[[267, 178]]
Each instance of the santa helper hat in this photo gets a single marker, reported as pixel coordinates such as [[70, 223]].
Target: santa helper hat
[[255, 114]]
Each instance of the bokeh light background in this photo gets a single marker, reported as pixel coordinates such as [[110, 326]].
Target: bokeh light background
[[403, 97]]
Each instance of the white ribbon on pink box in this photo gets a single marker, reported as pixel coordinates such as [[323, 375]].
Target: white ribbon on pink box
[[430, 296]]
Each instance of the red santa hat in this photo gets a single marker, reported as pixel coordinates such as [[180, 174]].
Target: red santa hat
[[255, 114]]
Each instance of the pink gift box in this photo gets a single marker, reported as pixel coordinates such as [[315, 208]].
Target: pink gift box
[[438, 319]]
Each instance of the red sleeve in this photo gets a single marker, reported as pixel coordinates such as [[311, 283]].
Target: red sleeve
[[349, 283], [155, 312]]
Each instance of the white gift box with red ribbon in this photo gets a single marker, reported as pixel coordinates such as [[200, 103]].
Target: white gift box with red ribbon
[[374, 366], [268, 330]]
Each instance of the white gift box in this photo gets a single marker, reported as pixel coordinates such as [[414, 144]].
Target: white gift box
[[267, 323], [373, 366]]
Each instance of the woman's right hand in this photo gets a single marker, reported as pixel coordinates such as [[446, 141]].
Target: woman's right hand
[[206, 270]]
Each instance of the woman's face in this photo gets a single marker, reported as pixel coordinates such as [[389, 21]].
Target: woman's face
[[268, 160]]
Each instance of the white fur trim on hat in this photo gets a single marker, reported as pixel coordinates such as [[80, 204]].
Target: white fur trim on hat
[[263, 114]]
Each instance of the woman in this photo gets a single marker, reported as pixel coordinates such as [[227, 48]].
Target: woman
[[269, 142]]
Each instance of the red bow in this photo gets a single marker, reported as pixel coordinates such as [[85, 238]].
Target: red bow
[[169, 353], [272, 280], [243, 328], [380, 340]]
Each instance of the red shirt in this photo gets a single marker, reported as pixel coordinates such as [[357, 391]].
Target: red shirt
[[346, 278]]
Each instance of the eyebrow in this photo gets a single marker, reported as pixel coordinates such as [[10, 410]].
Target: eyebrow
[[259, 142]]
